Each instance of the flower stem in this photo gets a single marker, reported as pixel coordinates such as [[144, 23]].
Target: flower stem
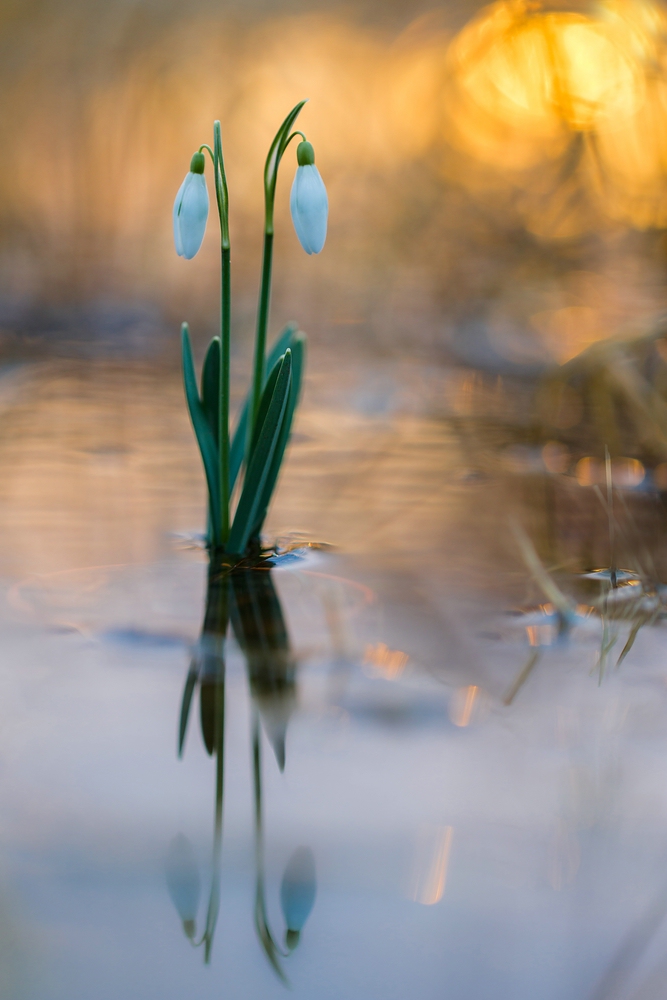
[[274, 156], [262, 324], [223, 410], [225, 329]]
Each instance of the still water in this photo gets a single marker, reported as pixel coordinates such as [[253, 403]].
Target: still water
[[457, 841]]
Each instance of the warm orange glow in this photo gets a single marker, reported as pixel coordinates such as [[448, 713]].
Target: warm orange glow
[[625, 472], [462, 705], [589, 471], [431, 864], [540, 635], [389, 662], [528, 85]]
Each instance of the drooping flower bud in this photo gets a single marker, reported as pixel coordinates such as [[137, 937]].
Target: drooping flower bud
[[183, 882], [191, 210], [308, 201], [297, 893]]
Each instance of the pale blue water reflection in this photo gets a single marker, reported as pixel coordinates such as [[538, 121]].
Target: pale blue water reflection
[[459, 843]]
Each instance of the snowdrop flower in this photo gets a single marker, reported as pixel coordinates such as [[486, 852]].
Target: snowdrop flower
[[308, 202], [191, 210], [183, 881], [297, 893]]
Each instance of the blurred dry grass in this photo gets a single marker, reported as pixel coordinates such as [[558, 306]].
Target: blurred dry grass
[[496, 186]]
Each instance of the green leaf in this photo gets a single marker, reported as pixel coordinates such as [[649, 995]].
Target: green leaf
[[188, 691], [265, 401], [272, 406], [277, 148], [210, 387], [239, 440], [298, 362], [203, 433]]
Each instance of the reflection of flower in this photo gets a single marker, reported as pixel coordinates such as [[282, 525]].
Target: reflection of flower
[[183, 881], [297, 892], [191, 210], [308, 201]]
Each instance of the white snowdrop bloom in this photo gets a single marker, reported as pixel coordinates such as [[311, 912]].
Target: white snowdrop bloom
[[308, 202], [191, 210]]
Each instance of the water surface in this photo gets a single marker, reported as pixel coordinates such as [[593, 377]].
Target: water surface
[[461, 844]]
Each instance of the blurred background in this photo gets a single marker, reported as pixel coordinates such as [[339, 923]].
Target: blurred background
[[485, 326], [490, 296], [496, 174]]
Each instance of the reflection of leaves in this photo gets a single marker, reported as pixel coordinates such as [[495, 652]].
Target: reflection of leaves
[[260, 630], [183, 881], [298, 888], [207, 711], [186, 702]]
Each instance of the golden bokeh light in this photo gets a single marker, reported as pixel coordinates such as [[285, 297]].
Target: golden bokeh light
[[529, 85]]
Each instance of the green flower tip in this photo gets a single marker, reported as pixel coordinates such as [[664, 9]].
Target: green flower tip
[[197, 163], [292, 939], [305, 154]]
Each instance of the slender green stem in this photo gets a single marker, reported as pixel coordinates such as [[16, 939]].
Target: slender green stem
[[214, 901], [262, 325], [215, 630], [223, 409], [275, 154], [267, 941], [222, 199]]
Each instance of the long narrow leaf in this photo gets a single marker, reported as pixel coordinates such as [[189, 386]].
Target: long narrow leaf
[[210, 386], [205, 439], [298, 362], [265, 401], [262, 457], [239, 440], [277, 147]]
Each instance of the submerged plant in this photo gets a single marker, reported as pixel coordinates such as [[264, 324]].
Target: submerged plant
[[254, 454]]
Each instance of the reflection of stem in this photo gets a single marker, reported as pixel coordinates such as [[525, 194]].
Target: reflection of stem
[[214, 632], [214, 900], [261, 923]]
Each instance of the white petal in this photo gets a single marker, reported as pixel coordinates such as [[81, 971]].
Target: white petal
[[310, 208], [191, 215], [177, 208], [298, 888], [183, 877]]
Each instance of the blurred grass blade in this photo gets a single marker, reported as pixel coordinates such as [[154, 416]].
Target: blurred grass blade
[[210, 387], [271, 413], [205, 439], [186, 702], [298, 360], [548, 587], [239, 440], [522, 677]]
